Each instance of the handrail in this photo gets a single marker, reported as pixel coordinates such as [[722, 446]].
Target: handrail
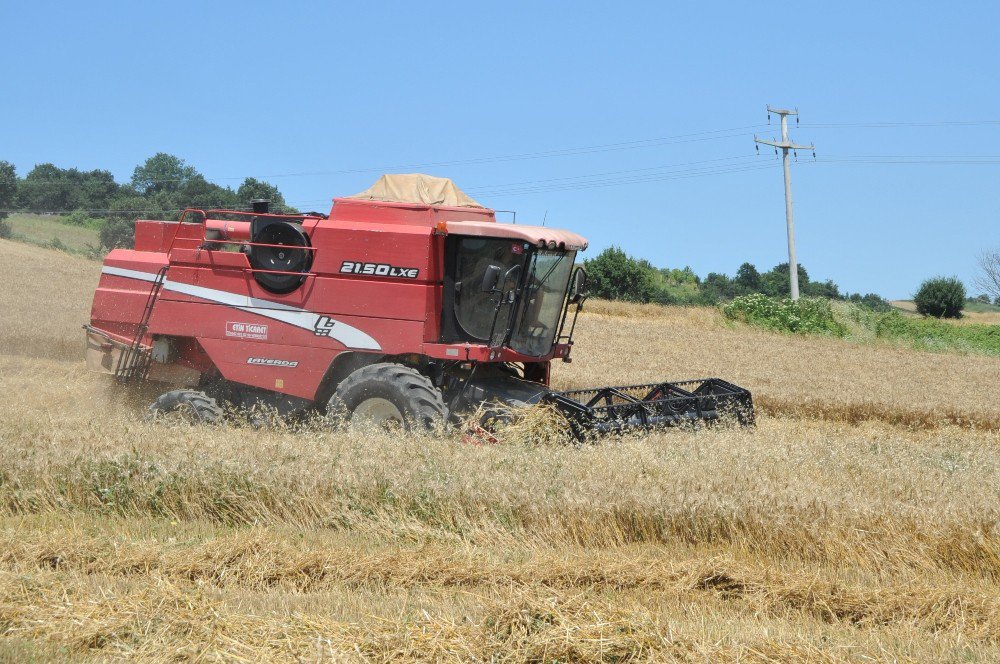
[[205, 217], [177, 228], [264, 244]]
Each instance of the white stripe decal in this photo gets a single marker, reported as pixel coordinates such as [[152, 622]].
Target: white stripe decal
[[351, 337]]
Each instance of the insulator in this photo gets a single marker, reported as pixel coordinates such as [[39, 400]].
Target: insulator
[[757, 148], [814, 154], [768, 118]]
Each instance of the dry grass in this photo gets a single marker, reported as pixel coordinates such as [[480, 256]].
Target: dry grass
[[864, 532], [44, 301]]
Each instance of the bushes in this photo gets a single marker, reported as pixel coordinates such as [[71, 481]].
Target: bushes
[[936, 335], [119, 225], [81, 218], [817, 316], [614, 275], [807, 315], [870, 301], [8, 189], [941, 297]]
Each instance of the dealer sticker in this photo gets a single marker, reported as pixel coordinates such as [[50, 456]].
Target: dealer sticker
[[256, 331]]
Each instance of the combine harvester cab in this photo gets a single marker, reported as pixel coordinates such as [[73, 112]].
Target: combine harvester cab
[[408, 303]]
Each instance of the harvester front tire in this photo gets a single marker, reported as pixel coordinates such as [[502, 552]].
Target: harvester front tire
[[190, 405], [388, 395]]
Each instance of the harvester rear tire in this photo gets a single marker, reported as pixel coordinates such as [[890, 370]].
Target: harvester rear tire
[[191, 405], [388, 395]]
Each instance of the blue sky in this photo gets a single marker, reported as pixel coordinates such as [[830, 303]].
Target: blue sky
[[325, 95]]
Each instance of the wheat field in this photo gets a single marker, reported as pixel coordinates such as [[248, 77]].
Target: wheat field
[[857, 523]]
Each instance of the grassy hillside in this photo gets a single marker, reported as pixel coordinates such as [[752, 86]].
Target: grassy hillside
[[857, 523], [52, 231], [975, 312]]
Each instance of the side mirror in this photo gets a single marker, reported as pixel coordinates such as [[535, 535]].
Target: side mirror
[[578, 285], [490, 279]]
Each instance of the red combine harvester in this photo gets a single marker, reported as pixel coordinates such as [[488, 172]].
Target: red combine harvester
[[408, 303]]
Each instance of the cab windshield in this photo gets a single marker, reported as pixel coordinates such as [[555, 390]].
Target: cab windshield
[[542, 302], [475, 309]]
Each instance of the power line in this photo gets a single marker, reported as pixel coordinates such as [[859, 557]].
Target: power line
[[588, 180], [679, 175], [608, 173], [893, 125], [707, 135], [907, 159]]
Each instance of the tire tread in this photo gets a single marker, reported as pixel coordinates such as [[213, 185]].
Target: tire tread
[[424, 399]]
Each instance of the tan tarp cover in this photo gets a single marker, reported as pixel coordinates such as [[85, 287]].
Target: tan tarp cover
[[416, 188]]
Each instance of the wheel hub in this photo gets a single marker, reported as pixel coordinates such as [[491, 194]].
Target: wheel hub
[[378, 412]]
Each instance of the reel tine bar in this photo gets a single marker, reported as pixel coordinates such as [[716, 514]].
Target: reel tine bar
[[618, 409]]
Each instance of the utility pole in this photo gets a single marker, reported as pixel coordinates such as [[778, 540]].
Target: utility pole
[[785, 144]]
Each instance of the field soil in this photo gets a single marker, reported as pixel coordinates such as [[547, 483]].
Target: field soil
[[857, 523]]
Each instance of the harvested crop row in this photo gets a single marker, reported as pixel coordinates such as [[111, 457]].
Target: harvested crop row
[[157, 619], [261, 560]]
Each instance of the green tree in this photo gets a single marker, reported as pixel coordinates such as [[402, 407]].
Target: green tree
[[872, 301], [941, 297], [775, 283], [96, 190], [48, 188], [8, 191], [614, 275], [162, 173], [717, 287], [747, 279], [118, 230], [826, 289], [253, 188], [675, 286], [198, 192]]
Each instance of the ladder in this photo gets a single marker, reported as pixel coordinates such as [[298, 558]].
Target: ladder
[[135, 359]]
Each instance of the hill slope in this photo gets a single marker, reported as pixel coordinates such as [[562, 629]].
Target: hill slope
[[44, 230]]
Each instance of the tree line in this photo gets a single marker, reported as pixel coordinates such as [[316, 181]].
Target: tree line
[[160, 188], [164, 185], [615, 275]]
